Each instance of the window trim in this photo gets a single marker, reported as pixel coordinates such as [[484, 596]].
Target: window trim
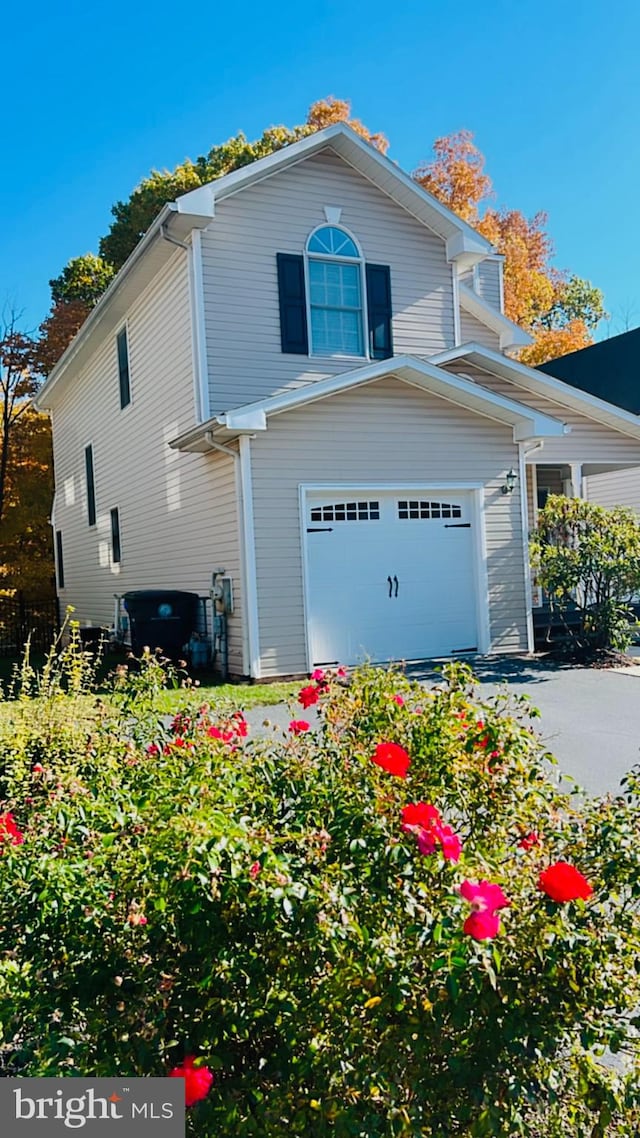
[[92, 505], [124, 327], [115, 510], [337, 258]]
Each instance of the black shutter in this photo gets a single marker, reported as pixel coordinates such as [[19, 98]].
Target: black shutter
[[379, 311], [59, 559], [293, 307], [91, 485], [123, 368], [115, 536]]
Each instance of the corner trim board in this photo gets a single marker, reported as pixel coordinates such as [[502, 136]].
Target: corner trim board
[[249, 559], [200, 362]]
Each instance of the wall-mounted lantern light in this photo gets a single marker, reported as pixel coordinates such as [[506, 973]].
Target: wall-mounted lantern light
[[510, 482]]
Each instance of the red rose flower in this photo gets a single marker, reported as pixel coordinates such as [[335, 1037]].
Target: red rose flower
[[419, 814], [255, 870], [9, 830], [299, 726], [482, 926], [308, 696], [449, 842], [398, 699], [197, 1080], [392, 758], [318, 675], [485, 899], [423, 820], [529, 841], [563, 882]]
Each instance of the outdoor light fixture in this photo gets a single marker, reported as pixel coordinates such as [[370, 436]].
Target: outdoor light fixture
[[510, 482]]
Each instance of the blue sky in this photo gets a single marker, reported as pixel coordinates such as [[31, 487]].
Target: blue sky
[[97, 94]]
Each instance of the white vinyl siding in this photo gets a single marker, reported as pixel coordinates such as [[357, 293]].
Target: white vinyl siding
[[239, 250], [472, 331], [617, 488], [383, 435], [487, 282], [177, 511]]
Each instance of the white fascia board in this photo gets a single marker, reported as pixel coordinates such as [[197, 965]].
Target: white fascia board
[[462, 240], [530, 379], [511, 336], [526, 422], [186, 222], [467, 249]]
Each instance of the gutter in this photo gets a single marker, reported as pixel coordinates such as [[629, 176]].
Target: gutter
[[95, 316]]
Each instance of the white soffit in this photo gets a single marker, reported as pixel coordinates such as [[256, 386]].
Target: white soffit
[[525, 421], [538, 382]]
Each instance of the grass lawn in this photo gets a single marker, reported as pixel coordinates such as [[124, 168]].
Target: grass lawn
[[207, 688]]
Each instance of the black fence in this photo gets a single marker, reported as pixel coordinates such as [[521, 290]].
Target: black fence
[[21, 619]]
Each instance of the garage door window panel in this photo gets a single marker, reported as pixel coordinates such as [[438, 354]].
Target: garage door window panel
[[347, 512], [423, 510]]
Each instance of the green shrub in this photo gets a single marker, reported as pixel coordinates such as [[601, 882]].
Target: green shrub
[[184, 890], [587, 559]]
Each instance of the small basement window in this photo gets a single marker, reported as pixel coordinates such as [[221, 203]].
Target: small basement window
[[347, 512]]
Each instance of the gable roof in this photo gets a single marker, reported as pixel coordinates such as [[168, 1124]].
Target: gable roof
[[464, 244], [609, 370], [531, 379], [196, 209], [526, 422]]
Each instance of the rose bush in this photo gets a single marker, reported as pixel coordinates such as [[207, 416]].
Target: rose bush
[[393, 924]]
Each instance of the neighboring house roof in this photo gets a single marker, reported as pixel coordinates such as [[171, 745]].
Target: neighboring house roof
[[511, 336], [526, 422], [609, 370], [531, 379]]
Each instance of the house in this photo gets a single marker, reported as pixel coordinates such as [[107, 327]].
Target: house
[[610, 370], [303, 375]]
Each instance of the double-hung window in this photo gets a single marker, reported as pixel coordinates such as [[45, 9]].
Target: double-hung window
[[331, 302], [335, 269]]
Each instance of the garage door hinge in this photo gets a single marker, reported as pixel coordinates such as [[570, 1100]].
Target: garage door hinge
[[457, 525]]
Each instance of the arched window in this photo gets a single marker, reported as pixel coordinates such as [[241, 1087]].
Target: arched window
[[335, 269]]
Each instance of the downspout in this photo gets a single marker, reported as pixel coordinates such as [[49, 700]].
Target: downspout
[[164, 232]]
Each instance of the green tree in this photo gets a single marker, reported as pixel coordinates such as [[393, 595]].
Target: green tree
[[83, 278], [574, 299], [133, 217], [587, 559]]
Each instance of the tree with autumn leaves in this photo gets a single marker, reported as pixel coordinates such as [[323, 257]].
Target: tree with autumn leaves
[[560, 310], [26, 473]]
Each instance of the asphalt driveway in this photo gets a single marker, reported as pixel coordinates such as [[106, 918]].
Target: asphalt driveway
[[590, 717]]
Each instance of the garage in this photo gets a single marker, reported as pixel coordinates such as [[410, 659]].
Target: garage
[[391, 574]]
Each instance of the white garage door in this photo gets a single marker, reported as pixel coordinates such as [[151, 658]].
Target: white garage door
[[390, 575]]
